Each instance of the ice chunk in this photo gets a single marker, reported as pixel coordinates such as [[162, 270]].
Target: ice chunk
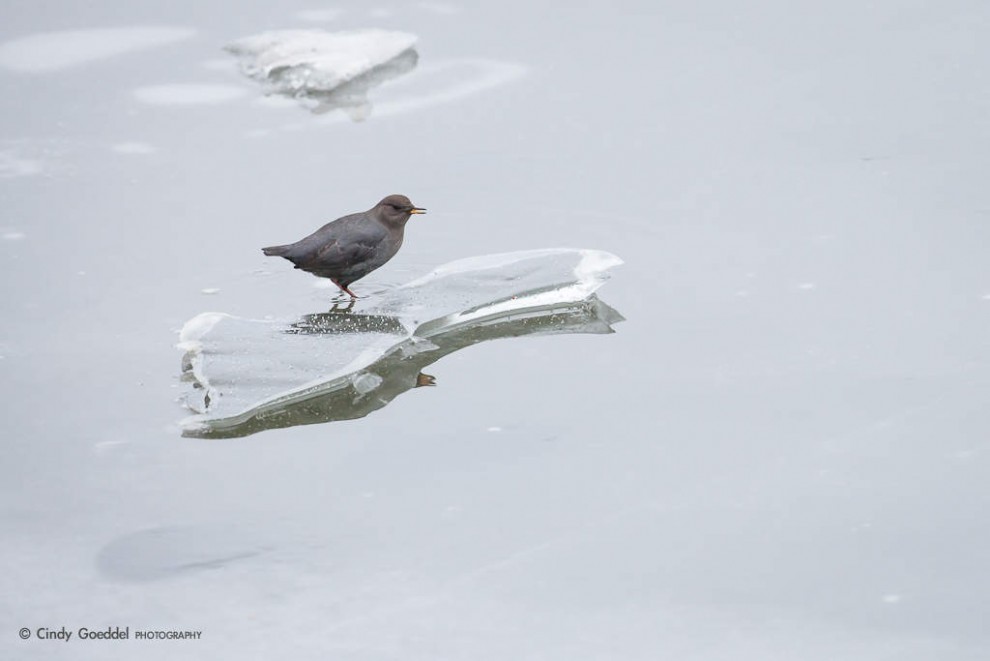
[[248, 375], [434, 84], [326, 70]]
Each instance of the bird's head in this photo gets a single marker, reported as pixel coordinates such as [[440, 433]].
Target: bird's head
[[396, 209]]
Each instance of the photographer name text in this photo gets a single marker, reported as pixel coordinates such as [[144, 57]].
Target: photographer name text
[[65, 634]]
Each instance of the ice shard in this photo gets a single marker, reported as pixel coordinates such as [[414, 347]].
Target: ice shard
[[247, 375]]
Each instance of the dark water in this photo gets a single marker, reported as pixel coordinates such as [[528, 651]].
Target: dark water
[[782, 453]]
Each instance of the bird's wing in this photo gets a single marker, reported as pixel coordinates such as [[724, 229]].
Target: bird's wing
[[324, 243], [341, 254]]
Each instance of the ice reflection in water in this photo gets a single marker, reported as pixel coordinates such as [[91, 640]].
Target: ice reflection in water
[[246, 375]]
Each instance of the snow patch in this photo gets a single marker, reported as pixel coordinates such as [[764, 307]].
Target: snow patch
[[135, 148], [55, 51], [13, 165]]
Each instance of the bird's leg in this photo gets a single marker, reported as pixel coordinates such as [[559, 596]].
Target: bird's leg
[[343, 288]]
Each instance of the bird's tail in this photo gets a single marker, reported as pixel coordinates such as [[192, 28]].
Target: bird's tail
[[275, 251]]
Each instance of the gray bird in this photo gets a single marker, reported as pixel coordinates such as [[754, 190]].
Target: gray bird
[[349, 248]]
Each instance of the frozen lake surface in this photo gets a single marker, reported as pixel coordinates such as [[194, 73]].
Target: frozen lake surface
[[781, 453]]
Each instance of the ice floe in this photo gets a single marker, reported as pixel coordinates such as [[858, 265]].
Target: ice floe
[[247, 375]]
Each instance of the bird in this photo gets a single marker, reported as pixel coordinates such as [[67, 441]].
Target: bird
[[349, 248]]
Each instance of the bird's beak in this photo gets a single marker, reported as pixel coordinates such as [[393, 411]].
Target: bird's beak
[[417, 210]]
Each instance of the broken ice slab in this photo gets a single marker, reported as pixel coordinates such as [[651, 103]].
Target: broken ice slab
[[326, 70], [244, 375]]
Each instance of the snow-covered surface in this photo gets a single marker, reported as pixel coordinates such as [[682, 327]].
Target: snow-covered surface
[[746, 470], [243, 371]]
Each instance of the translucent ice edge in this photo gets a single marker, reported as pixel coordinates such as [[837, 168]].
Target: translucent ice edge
[[525, 283], [590, 273], [190, 341]]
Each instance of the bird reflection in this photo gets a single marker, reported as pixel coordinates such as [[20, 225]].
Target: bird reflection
[[342, 309], [399, 369]]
